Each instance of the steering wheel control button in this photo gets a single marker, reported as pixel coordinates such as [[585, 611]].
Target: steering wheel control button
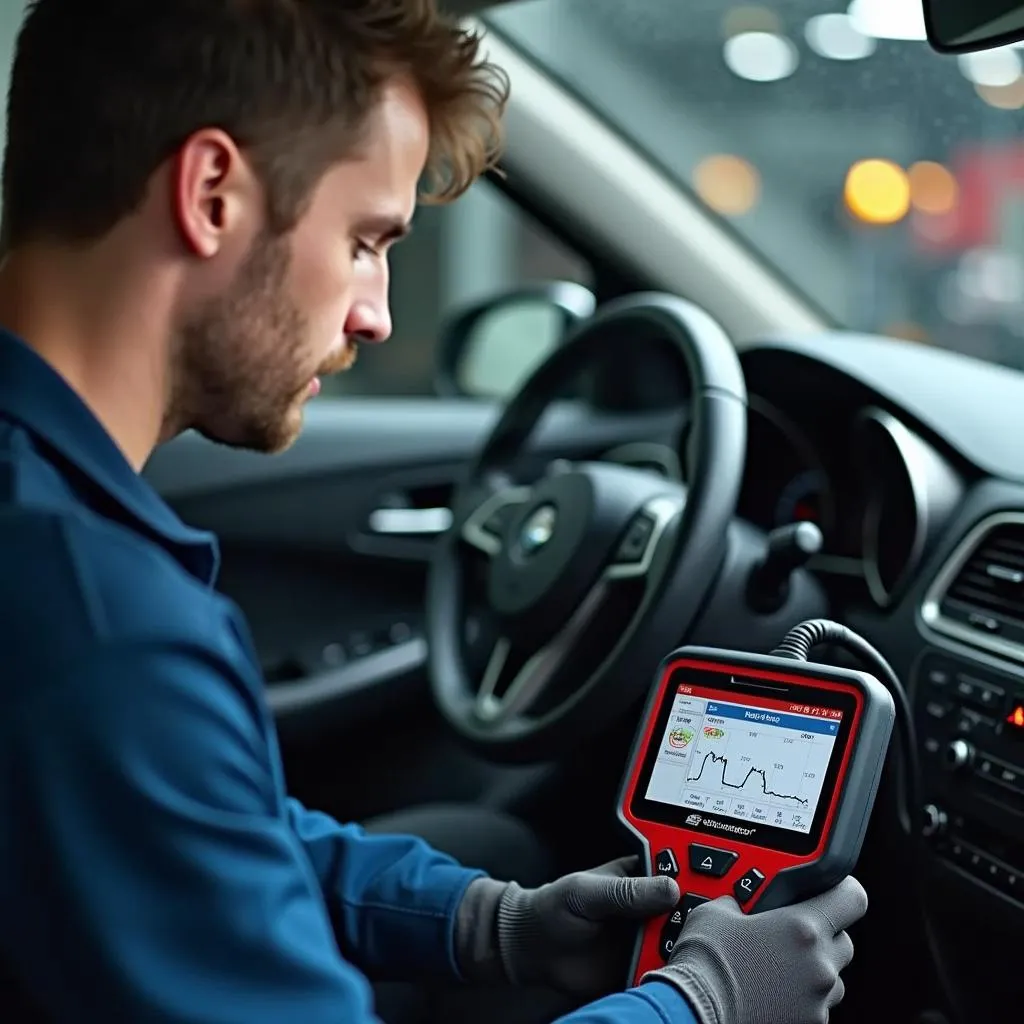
[[666, 864], [746, 886], [708, 860], [634, 544]]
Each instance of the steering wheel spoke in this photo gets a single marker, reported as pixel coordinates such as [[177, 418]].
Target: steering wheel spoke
[[538, 671], [596, 570], [486, 526]]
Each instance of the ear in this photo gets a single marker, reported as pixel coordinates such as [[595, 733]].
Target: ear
[[215, 194]]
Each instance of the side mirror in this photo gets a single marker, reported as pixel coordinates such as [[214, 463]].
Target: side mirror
[[491, 347], [963, 26]]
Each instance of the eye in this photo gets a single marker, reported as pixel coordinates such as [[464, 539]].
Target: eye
[[360, 250]]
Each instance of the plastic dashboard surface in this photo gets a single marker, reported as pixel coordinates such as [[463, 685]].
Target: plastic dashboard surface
[[976, 408]]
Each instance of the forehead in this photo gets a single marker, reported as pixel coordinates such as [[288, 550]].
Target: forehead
[[382, 176]]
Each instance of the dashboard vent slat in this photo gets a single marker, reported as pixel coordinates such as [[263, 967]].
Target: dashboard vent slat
[[991, 579], [979, 596]]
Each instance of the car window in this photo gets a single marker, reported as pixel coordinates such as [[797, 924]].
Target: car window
[[481, 245], [883, 180]]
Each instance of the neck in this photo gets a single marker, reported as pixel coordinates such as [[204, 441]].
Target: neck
[[109, 343]]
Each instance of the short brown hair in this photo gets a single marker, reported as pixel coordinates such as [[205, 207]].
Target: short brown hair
[[104, 91]]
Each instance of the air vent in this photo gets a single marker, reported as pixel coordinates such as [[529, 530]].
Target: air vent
[[979, 595]]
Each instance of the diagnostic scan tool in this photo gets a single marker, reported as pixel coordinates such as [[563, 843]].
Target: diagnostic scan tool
[[753, 777]]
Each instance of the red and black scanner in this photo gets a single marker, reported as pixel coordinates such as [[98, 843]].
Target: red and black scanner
[[752, 776]]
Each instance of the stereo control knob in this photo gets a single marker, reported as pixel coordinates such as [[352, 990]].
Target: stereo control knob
[[959, 754], [934, 821]]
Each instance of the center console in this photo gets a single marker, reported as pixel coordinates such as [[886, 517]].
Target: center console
[[970, 722]]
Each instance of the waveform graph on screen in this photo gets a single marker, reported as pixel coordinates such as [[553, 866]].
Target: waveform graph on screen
[[745, 762]]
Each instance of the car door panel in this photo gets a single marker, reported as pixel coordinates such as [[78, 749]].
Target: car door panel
[[335, 606]]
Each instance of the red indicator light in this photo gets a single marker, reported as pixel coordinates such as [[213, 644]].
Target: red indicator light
[[1016, 717]]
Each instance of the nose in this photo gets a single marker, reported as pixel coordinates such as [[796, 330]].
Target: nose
[[369, 321], [369, 317]]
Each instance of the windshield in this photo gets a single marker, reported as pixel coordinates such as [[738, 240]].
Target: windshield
[[885, 181]]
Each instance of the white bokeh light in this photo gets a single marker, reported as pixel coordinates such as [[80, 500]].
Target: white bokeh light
[[992, 276], [992, 68], [761, 56], [889, 19], [836, 37]]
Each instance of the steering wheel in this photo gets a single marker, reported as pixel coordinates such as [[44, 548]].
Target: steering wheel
[[596, 571]]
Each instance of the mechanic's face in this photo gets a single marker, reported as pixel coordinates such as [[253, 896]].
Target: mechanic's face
[[297, 307]]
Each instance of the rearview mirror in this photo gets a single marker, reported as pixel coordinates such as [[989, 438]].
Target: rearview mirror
[[963, 26], [491, 347]]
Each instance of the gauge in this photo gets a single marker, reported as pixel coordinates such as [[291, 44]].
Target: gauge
[[910, 490], [802, 499], [785, 479]]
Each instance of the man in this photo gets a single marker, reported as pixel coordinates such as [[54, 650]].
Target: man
[[199, 197]]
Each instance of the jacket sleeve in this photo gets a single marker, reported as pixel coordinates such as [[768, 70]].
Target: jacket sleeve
[[392, 897], [654, 1002], [149, 869]]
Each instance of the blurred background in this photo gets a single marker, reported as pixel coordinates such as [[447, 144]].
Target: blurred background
[[885, 181]]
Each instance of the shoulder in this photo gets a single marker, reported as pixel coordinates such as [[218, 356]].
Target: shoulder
[[73, 583], [95, 580]]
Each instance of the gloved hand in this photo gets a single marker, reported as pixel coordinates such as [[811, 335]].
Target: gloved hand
[[777, 967], [574, 935]]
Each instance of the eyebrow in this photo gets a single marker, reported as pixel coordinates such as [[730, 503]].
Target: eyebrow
[[385, 228]]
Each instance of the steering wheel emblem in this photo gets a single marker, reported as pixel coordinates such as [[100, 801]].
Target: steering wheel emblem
[[538, 529]]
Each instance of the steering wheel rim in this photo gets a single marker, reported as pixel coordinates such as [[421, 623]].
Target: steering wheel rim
[[683, 552]]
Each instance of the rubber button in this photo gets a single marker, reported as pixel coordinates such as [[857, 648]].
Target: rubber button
[[690, 902], [746, 886], [673, 927], [668, 940], [666, 864], [709, 860]]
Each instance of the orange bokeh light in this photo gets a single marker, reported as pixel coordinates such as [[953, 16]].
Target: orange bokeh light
[[933, 188], [877, 192]]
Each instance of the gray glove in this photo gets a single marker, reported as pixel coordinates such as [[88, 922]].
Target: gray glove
[[778, 967], [574, 935]]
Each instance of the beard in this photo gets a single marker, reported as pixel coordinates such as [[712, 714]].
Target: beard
[[340, 360], [242, 364]]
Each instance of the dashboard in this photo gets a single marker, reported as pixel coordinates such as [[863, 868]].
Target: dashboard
[[788, 479], [909, 459], [876, 488], [825, 447]]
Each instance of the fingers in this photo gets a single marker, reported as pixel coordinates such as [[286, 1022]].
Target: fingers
[[601, 898], [835, 997], [622, 867], [843, 951], [842, 955], [842, 906], [648, 897]]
